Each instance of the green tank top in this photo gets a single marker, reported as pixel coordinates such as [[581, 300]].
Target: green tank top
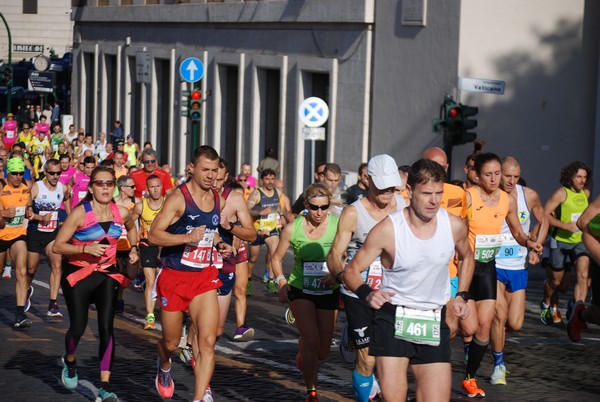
[[310, 256], [569, 211], [131, 156]]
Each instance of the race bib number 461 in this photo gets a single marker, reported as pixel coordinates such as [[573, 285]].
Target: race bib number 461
[[418, 326]]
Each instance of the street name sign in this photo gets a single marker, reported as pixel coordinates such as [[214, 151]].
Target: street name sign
[[479, 85]]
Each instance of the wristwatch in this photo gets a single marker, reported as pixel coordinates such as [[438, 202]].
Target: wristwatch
[[464, 295]]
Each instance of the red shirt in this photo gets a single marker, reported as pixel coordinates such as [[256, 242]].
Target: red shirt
[[139, 177]]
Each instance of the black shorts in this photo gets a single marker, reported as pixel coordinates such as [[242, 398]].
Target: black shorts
[[321, 302], [595, 275], [384, 343], [360, 320], [149, 256], [5, 244], [38, 241], [260, 239], [483, 285], [228, 281]]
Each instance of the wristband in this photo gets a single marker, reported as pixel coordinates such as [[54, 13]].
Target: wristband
[[338, 277], [463, 295], [363, 291], [219, 244]]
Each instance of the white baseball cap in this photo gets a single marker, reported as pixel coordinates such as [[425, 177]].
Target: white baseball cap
[[384, 172]]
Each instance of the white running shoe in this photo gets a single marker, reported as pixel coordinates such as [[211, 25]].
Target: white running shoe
[[6, 273], [375, 390], [498, 376], [207, 395]]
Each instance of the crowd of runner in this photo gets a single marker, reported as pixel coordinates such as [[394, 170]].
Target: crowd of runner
[[414, 261]]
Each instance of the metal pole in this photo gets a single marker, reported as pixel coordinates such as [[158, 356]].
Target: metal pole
[[8, 87], [195, 134], [312, 158]]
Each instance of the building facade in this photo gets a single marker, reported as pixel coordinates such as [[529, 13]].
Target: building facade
[[37, 27], [383, 68]]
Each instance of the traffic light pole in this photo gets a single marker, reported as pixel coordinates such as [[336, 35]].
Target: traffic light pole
[[448, 150], [9, 85], [195, 125]]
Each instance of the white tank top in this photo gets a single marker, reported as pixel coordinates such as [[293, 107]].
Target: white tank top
[[364, 224], [420, 276], [512, 255]]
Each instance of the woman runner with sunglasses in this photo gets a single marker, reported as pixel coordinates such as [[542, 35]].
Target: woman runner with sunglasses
[[312, 302], [88, 240]]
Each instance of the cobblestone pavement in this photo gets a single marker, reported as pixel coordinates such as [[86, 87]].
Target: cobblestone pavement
[[543, 364]]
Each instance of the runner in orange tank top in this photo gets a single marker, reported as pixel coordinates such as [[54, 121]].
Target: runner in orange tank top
[[487, 208]]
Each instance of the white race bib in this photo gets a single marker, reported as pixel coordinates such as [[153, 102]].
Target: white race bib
[[202, 254], [49, 226]]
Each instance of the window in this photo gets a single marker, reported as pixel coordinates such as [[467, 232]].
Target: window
[[30, 7]]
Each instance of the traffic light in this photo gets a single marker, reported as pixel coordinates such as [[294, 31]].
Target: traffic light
[[467, 123], [195, 107], [8, 76], [454, 122], [450, 116], [185, 103]]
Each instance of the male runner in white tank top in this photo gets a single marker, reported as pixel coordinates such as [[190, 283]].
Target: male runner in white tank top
[[415, 246]]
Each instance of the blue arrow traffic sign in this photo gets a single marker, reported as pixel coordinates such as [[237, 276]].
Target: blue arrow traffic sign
[[191, 69]]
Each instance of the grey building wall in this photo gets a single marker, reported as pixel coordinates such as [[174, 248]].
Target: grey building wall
[[301, 42], [413, 67], [384, 80], [548, 113]]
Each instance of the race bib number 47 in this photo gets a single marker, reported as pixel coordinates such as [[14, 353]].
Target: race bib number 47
[[313, 272]]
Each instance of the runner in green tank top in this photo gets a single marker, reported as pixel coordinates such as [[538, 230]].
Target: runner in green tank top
[[564, 209], [312, 302]]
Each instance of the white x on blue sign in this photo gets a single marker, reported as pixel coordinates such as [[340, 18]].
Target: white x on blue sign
[[313, 112]]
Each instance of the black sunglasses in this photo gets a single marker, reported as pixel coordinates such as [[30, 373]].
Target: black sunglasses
[[150, 161], [317, 207], [53, 173], [17, 173]]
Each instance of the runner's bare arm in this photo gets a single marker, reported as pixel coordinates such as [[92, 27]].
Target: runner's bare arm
[[379, 242], [335, 258], [512, 219]]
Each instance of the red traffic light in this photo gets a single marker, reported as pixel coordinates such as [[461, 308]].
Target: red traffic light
[[196, 95], [453, 112]]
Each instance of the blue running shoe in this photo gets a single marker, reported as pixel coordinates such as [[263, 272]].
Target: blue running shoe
[[69, 375], [106, 396]]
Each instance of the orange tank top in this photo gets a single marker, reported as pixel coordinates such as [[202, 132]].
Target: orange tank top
[[485, 224], [18, 198], [454, 200]]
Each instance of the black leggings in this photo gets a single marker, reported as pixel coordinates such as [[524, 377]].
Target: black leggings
[[100, 289]]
